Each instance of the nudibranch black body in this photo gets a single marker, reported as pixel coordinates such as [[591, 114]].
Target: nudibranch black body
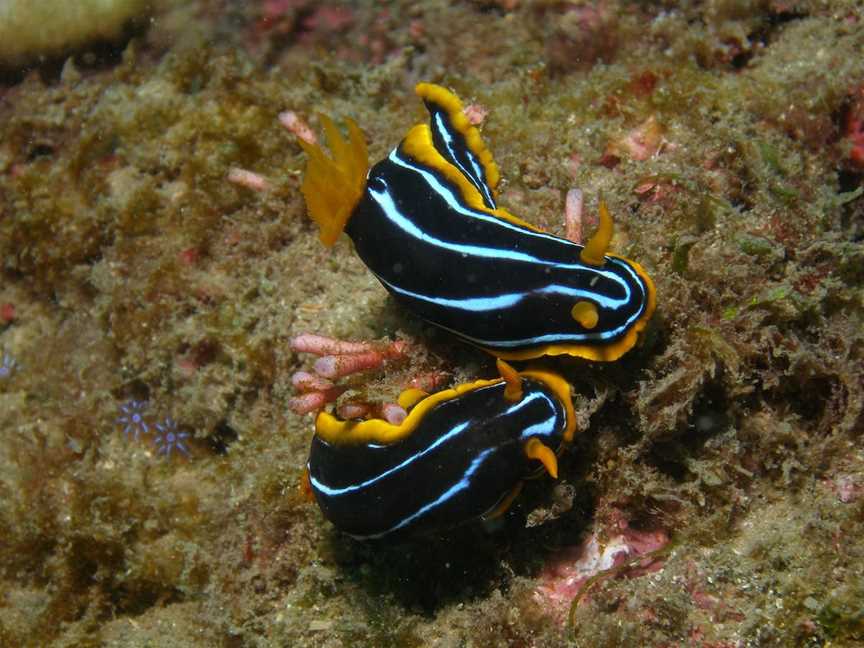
[[460, 454], [425, 220]]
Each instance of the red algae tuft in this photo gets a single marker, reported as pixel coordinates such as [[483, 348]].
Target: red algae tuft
[[854, 128], [7, 312]]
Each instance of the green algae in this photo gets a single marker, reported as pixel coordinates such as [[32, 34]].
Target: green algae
[[137, 271]]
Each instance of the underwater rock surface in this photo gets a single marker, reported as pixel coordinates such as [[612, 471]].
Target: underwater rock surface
[[34, 29], [157, 261]]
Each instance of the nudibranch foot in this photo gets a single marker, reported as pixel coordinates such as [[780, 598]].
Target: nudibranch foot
[[459, 454], [425, 220]]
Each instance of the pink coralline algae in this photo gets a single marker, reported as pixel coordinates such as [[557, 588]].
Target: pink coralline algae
[[640, 143], [845, 487], [573, 216], [292, 121], [476, 113], [569, 571], [248, 179], [854, 127], [338, 359], [7, 313]]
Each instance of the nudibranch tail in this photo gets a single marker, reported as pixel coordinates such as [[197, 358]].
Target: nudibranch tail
[[474, 159], [450, 145], [334, 185]]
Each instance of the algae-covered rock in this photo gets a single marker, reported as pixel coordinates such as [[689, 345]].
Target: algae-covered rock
[[138, 280], [33, 29]]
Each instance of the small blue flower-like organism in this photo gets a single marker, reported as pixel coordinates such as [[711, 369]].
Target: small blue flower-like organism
[[133, 420], [169, 438], [8, 366]]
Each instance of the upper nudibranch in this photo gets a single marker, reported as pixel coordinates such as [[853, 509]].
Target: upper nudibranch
[[460, 454], [426, 222]]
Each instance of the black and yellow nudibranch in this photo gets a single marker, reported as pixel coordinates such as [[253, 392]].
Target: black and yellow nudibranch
[[460, 454], [426, 222]]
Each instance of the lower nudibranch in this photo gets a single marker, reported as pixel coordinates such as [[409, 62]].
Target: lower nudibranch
[[460, 454], [426, 222]]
